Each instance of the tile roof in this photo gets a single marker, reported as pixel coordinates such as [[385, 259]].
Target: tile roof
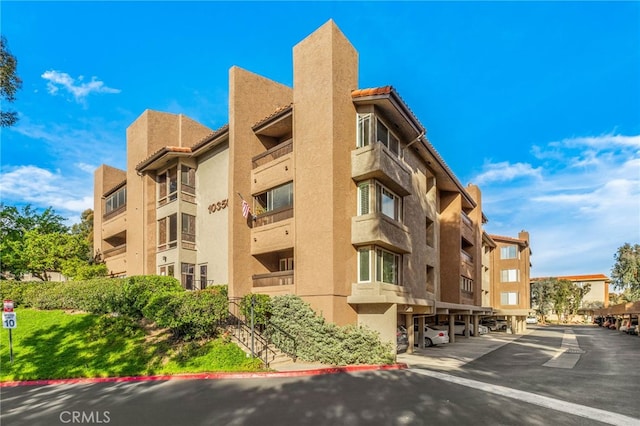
[[591, 277], [114, 188], [384, 90], [509, 239], [202, 142], [279, 111]]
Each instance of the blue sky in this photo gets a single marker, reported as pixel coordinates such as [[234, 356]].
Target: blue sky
[[538, 103]]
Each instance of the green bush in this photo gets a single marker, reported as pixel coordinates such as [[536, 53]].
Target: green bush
[[317, 340], [261, 308], [189, 315], [137, 292], [112, 326], [15, 290]]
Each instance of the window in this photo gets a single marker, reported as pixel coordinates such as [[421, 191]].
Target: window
[[387, 266], [188, 179], [466, 284], [431, 233], [386, 201], [382, 133], [285, 264], [188, 228], [386, 138], [364, 265], [116, 200], [167, 270], [364, 199], [509, 298], [203, 276], [167, 232], [188, 275], [168, 185], [431, 282], [364, 130], [280, 197], [509, 252], [509, 275]]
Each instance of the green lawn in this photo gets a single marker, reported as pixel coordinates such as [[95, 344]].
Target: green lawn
[[56, 345]]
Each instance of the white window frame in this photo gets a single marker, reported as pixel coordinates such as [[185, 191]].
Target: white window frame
[[509, 275], [509, 298], [363, 130], [509, 252], [375, 272]]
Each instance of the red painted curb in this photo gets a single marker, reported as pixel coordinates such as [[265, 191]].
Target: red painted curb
[[207, 376]]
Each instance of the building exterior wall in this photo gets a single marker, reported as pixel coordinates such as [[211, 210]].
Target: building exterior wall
[[312, 247], [517, 281]]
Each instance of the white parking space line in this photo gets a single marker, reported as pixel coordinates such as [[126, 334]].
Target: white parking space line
[[568, 354], [591, 413]]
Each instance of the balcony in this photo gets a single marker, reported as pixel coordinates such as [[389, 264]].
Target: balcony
[[378, 229], [466, 227], [114, 251], [272, 168], [377, 162], [272, 232], [273, 279]]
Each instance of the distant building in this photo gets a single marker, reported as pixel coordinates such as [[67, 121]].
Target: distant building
[[510, 267], [598, 295]]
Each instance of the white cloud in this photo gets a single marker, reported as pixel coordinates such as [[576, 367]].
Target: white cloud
[[45, 188], [57, 80], [583, 204], [504, 171]]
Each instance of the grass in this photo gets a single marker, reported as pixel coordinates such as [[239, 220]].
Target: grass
[[56, 345]]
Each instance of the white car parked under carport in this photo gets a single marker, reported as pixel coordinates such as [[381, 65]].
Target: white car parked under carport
[[432, 336], [459, 328]]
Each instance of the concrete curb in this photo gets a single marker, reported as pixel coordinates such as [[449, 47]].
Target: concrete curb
[[208, 376]]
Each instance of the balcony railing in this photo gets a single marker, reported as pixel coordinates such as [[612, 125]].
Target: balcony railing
[[466, 220], [114, 251], [114, 213], [272, 279], [273, 216], [273, 153], [466, 257]]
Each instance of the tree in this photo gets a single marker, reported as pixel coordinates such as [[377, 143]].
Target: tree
[[9, 82], [541, 296], [85, 229], [625, 274], [14, 224], [40, 243]]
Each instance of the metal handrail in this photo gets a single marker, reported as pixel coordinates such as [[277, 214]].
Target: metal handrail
[[277, 151]]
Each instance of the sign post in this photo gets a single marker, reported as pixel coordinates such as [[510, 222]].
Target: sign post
[[9, 321]]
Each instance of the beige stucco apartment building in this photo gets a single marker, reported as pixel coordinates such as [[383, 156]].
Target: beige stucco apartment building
[[351, 207], [510, 266]]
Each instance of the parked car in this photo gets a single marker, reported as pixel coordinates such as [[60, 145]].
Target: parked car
[[402, 339], [494, 324], [629, 325], [531, 320], [459, 328], [432, 336]]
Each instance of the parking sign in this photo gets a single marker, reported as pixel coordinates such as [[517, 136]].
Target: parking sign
[[9, 320]]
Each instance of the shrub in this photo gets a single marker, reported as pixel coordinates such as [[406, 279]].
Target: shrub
[[189, 315], [317, 340], [137, 292], [261, 308], [15, 290]]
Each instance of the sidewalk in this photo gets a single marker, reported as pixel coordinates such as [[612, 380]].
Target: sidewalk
[[453, 356]]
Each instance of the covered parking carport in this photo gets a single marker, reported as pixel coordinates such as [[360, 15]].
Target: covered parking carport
[[620, 311], [470, 316]]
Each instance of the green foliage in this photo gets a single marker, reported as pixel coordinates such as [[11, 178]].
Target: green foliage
[[110, 325], [55, 345], [10, 82], [261, 308], [317, 340], [563, 297], [625, 274], [14, 224], [138, 291], [189, 315]]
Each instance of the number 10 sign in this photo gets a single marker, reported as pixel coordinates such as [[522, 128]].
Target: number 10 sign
[[9, 320]]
